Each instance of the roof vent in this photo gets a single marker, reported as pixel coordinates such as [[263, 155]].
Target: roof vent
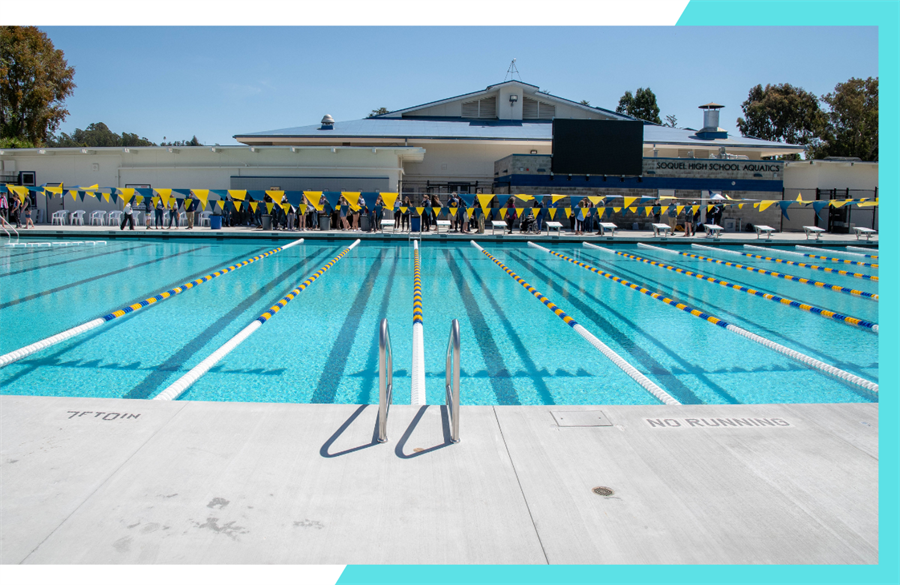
[[711, 128], [327, 123]]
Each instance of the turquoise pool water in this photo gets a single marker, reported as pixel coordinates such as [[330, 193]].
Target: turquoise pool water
[[323, 346]]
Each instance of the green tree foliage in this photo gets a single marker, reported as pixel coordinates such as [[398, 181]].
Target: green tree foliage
[[851, 126], [378, 112], [192, 142], [35, 80], [641, 105], [585, 103], [782, 113], [97, 134], [15, 143], [671, 121]]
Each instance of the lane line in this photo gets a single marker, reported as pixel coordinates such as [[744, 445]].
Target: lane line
[[417, 390]]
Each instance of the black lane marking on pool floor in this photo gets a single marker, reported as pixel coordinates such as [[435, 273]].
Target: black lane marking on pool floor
[[498, 373], [533, 372], [153, 382], [738, 319], [43, 266], [337, 358], [369, 373], [93, 278], [32, 363], [57, 251], [668, 378]]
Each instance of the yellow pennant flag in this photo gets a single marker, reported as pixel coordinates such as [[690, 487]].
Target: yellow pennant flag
[[221, 203], [524, 197], [756, 205], [632, 209], [165, 194], [556, 198], [202, 195], [390, 199], [352, 198], [286, 207], [420, 210], [106, 197], [709, 208], [254, 205], [552, 212], [54, 190], [302, 207], [763, 205], [314, 198], [629, 201], [269, 207], [568, 211], [138, 199], [404, 209], [92, 187], [437, 211], [127, 193], [238, 194], [237, 205], [484, 199], [276, 196], [740, 205], [74, 194], [471, 211], [679, 209], [595, 199], [503, 212], [838, 203], [649, 211], [91, 194], [617, 209], [354, 206]]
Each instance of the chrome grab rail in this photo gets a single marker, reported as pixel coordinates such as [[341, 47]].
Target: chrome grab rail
[[452, 381], [6, 224], [385, 379]]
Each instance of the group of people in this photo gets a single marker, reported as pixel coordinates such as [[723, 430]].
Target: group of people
[[13, 209]]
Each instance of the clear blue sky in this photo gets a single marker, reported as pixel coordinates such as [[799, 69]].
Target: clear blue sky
[[215, 82]]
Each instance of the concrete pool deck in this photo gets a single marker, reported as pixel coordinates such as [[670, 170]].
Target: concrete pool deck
[[110, 481], [623, 236]]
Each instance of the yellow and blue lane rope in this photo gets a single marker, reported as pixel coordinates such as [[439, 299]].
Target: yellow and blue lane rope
[[791, 277], [838, 260], [290, 296], [186, 286], [812, 266], [556, 310], [649, 293], [782, 300], [417, 289]]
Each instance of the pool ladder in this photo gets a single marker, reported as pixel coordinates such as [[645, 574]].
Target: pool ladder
[[386, 380]]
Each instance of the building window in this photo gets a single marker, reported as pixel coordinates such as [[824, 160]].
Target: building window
[[483, 108]]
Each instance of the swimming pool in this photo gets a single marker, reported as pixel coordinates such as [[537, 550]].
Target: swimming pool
[[322, 347]]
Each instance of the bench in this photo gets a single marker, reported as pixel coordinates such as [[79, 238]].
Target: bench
[[661, 228], [605, 225], [763, 229], [443, 223], [861, 231], [813, 230], [712, 230], [496, 223], [553, 225]]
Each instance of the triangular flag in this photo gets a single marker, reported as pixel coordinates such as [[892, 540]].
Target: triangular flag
[[503, 211], [54, 190], [552, 212], [73, 193], [632, 209], [709, 208], [220, 203], [276, 195], [254, 205], [302, 207], [202, 195], [106, 197], [238, 194], [617, 209], [352, 198], [484, 199], [269, 207], [90, 194], [679, 209], [740, 205], [437, 210], [420, 210], [314, 198], [524, 197], [165, 194], [138, 199], [471, 211], [784, 206], [286, 207], [763, 205], [818, 206], [404, 209], [568, 211], [390, 199], [126, 195], [649, 210], [629, 201], [595, 199], [237, 205], [838, 203]]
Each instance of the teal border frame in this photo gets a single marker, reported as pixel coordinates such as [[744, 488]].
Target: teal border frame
[[885, 14]]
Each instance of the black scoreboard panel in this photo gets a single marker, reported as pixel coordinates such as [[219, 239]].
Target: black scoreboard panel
[[597, 147]]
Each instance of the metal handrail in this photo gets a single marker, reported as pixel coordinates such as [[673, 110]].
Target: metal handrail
[[6, 224], [385, 379], [452, 380]]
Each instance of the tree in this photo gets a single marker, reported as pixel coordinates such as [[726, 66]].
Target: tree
[[641, 105], [378, 112], [97, 134], [851, 126], [671, 121], [35, 80], [782, 113], [584, 103], [15, 143]]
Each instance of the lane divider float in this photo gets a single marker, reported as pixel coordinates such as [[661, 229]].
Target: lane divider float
[[18, 354], [768, 296], [819, 258], [632, 372], [801, 264], [856, 249], [180, 385], [790, 277], [417, 391], [811, 249], [795, 355]]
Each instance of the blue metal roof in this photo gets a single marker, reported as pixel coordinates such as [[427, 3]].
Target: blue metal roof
[[463, 129]]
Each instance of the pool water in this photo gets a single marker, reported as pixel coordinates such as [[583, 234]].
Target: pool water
[[323, 346]]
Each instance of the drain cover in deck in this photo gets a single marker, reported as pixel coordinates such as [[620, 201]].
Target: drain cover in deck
[[580, 418]]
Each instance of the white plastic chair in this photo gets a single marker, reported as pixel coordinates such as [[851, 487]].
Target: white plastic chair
[[115, 218], [182, 219], [98, 217], [204, 217], [77, 217], [59, 216]]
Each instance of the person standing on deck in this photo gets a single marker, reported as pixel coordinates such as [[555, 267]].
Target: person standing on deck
[[127, 217]]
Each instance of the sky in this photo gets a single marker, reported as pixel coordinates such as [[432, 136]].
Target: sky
[[171, 83]]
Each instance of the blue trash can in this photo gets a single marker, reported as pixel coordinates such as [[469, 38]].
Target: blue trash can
[[215, 222], [415, 224]]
